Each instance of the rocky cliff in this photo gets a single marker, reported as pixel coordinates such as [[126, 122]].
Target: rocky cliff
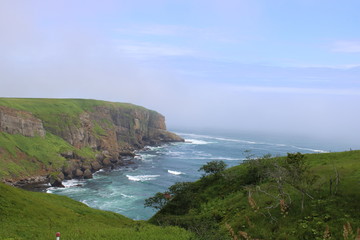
[[97, 133], [20, 122]]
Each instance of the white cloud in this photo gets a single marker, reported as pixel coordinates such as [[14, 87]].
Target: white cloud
[[346, 46]]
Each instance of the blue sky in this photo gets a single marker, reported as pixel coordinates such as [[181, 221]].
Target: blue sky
[[277, 66]]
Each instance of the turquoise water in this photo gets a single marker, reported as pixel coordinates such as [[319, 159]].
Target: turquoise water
[[154, 169]]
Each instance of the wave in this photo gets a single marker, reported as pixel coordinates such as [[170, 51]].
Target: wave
[[174, 172], [215, 138], [248, 142], [126, 196], [174, 154], [196, 141], [310, 149], [145, 156], [218, 158], [152, 148], [67, 184], [142, 178]]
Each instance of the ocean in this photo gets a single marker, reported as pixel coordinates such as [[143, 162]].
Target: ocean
[[154, 169]]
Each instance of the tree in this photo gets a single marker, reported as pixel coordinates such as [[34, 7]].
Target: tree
[[158, 201], [300, 177], [213, 168]]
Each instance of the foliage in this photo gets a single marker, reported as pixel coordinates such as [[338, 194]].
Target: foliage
[[158, 201], [272, 198], [213, 168]]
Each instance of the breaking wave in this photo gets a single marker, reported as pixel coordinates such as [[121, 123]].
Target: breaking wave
[[142, 178], [174, 172]]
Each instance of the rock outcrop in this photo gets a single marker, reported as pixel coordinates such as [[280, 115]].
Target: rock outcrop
[[118, 130], [20, 122]]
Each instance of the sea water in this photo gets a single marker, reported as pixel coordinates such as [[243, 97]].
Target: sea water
[[154, 169]]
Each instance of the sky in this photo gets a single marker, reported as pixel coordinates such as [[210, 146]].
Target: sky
[[267, 66]]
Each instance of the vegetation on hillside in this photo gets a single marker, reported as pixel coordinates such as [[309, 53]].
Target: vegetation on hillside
[[30, 215], [24, 156], [312, 196]]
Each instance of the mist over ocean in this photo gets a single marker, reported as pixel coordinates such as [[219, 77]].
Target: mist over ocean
[[154, 169]]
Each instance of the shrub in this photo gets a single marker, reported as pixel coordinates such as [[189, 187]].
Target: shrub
[[213, 168]]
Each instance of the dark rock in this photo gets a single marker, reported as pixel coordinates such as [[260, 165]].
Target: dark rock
[[99, 157], [69, 154], [113, 160], [106, 161], [96, 166], [61, 176], [70, 168], [85, 166], [87, 174], [78, 173], [55, 179], [105, 153], [127, 154], [57, 183]]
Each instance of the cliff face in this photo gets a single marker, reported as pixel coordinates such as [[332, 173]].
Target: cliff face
[[108, 131], [117, 130], [20, 122]]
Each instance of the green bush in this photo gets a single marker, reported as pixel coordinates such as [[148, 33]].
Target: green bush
[[213, 168]]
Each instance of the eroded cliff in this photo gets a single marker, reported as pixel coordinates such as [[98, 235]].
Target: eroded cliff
[[20, 122], [88, 135]]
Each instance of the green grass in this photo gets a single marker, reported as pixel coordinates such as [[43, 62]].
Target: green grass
[[29, 215], [26, 156], [58, 114], [209, 206]]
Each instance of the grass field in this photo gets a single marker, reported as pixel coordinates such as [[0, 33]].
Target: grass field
[[28, 215]]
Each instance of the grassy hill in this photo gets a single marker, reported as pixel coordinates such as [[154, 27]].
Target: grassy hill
[[30, 215], [312, 196]]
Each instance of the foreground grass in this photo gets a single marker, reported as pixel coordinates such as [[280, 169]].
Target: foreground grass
[[235, 206], [30, 215]]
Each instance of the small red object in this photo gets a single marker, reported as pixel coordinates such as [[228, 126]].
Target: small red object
[[58, 234]]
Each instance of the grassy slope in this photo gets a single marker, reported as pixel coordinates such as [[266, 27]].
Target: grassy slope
[[213, 203], [59, 113], [23, 156], [30, 215]]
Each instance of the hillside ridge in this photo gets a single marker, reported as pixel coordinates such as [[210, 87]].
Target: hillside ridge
[[72, 138]]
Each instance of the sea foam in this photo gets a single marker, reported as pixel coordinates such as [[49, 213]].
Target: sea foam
[[196, 141], [174, 172], [142, 178]]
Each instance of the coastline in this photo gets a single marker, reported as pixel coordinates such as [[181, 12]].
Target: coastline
[[40, 183]]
